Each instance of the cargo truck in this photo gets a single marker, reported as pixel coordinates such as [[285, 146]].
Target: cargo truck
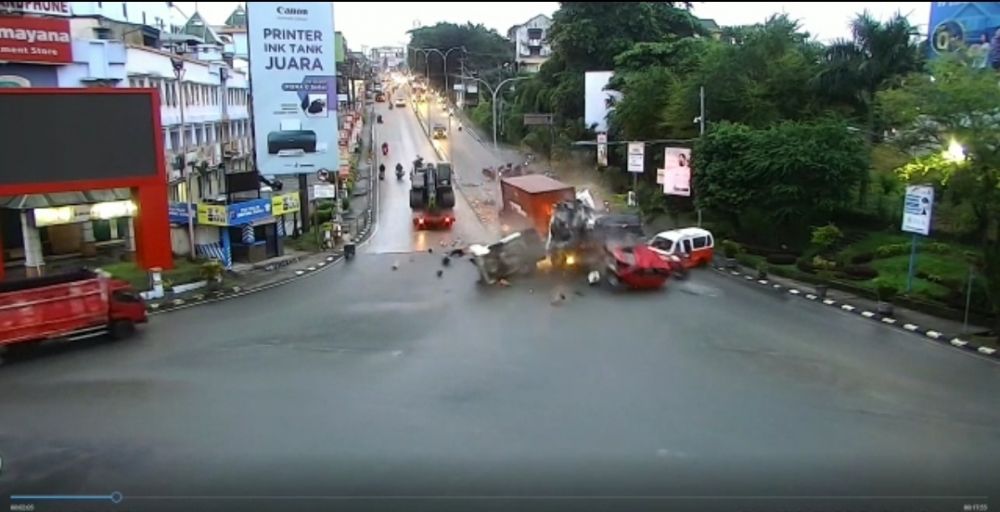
[[432, 196], [70, 306], [529, 201]]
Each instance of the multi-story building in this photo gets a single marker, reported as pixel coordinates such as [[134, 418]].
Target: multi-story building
[[531, 46]]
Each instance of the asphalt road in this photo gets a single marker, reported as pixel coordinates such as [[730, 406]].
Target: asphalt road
[[363, 381]]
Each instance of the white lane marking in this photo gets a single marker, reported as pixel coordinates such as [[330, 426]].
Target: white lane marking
[[867, 314], [959, 343], [847, 307], [910, 327], [933, 335]]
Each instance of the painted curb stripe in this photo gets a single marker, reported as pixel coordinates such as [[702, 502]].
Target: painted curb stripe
[[959, 343], [890, 321], [987, 350], [867, 314], [847, 307], [910, 327], [933, 334], [793, 291], [829, 302]]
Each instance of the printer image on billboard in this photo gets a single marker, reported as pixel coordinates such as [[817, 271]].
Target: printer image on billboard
[[291, 139]]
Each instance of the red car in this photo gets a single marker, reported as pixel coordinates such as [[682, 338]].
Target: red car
[[636, 266]]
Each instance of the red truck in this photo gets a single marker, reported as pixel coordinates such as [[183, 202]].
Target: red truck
[[529, 201], [68, 306]]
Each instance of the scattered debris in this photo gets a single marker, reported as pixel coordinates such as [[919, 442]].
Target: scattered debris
[[395, 265], [503, 282], [430, 250], [457, 253], [441, 243], [578, 293], [594, 277], [446, 261], [440, 273]]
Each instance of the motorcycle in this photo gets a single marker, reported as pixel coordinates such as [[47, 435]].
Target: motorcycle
[[399, 172], [379, 119], [381, 171]]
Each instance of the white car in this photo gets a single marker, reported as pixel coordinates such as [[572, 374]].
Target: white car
[[400, 102]]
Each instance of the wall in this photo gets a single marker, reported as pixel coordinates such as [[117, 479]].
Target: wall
[[202, 235], [94, 59]]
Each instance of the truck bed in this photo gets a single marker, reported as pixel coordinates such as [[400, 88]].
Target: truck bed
[[36, 309]]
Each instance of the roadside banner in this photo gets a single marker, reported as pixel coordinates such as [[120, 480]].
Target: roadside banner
[[917, 207], [602, 149], [636, 157], [285, 203], [677, 172]]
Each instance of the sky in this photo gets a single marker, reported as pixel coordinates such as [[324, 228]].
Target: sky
[[386, 23]]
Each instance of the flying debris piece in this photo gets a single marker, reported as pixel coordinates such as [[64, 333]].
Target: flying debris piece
[[440, 273], [446, 261]]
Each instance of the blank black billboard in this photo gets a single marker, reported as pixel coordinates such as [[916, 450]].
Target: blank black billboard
[[47, 138]]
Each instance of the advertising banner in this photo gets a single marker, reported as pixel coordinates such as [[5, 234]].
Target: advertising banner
[[46, 8], [955, 25], [293, 82], [677, 172], [39, 40], [178, 213], [636, 157], [249, 211], [598, 102], [212, 214], [917, 206], [602, 149], [324, 191], [285, 203]]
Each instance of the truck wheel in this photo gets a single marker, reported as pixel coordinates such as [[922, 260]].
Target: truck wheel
[[416, 199], [121, 329]]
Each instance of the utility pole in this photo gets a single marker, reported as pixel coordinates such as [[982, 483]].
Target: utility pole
[[701, 128], [178, 65]]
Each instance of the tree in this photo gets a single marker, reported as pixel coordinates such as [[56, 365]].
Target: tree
[[877, 54], [955, 111], [485, 49], [758, 78], [791, 174]]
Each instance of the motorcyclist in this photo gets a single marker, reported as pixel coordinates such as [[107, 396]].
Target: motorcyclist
[[379, 118], [399, 171], [381, 171], [385, 148]]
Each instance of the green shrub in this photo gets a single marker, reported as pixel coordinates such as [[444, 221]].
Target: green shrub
[[212, 270], [861, 258], [730, 248], [890, 250], [820, 263], [781, 259], [860, 272], [885, 290], [825, 237], [937, 248], [321, 216], [345, 204], [805, 264]]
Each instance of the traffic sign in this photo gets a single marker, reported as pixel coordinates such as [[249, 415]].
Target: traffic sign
[[323, 175]]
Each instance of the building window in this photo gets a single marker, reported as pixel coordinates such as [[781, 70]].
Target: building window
[[175, 139], [534, 33], [199, 135]]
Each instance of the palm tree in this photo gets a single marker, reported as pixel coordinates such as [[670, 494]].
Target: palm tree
[[855, 70]]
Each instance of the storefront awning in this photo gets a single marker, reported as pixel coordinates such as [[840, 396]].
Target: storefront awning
[[32, 201]]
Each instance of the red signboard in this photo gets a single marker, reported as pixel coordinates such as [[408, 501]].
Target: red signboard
[[47, 8], [35, 40]]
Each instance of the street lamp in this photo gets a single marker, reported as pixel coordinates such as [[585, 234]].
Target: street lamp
[[178, 66], [955, 152], [444, 57], [494, 93]]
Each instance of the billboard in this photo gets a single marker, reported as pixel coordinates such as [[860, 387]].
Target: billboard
[[46, 8], [677, 172], [954, 25], [47, 145], [39, 40], [598, 102], [293, 83]]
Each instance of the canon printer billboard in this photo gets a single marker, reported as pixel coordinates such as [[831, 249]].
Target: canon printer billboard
[[293, 82], [956, 25]]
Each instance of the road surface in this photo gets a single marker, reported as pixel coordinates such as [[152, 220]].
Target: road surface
[[364, 382]]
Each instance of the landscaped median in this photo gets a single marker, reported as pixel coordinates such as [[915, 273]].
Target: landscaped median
[[874, 266]]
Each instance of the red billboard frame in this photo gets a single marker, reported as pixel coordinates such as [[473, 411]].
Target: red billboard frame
[[152, 222]]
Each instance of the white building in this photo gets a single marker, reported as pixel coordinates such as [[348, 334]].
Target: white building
[[160, 15], [531, 45]]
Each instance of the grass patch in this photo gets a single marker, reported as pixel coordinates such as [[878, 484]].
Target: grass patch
[[184, 271], [309, 241]]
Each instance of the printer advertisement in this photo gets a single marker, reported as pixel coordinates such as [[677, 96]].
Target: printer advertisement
[[293, 83]]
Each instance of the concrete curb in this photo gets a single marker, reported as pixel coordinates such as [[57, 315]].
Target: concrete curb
[[930, 334]]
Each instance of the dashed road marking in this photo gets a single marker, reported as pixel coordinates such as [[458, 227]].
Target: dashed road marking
[[811, 296], [887, 320], [847, 307], [987, 350], [793, 291], [933, 334], [910, 327], [959, 343], [311, 269], [829, 302], [300, 272], [867, 314], [762, 281]]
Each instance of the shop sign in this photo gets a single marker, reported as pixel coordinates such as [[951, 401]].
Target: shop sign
[[40, 40], [285, 203]]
